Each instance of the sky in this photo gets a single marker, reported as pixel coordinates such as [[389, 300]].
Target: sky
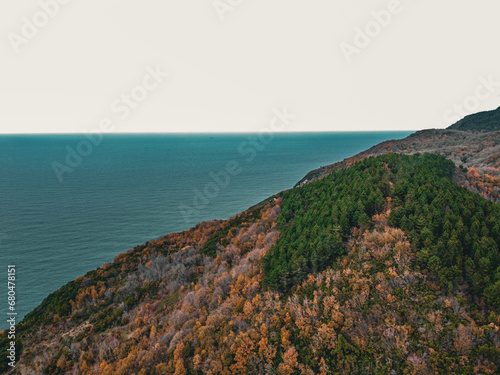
[[74, 66]]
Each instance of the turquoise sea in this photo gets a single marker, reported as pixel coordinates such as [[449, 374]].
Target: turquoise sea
[[70, 203]]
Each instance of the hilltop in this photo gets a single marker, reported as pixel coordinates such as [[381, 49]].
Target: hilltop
[[487, 121]]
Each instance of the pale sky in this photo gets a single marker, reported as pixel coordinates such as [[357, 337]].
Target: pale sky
[[65, 65]]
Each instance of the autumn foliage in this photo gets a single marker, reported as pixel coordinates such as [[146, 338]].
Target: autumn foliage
[[196, 302]]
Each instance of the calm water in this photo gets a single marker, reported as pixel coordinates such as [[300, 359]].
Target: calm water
[[133, 188]]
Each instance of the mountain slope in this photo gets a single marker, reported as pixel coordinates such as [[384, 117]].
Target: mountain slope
[[386, 266]]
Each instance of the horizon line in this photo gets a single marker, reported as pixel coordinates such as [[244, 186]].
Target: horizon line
[[215, 133]]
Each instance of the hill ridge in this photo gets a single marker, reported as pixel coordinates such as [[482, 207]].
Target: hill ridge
[[486, 121]]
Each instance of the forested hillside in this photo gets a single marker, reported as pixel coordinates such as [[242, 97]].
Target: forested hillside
[[386, 266], [487, 121], [455, 232]]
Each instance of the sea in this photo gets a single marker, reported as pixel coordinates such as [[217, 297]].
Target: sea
[[70, 203]]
